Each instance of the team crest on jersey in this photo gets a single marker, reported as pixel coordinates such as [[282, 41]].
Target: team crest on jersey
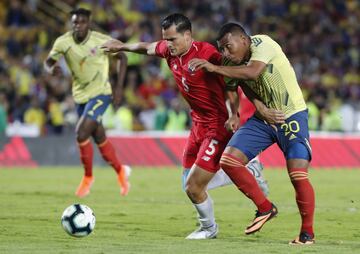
[[93, 51], [175, 66]]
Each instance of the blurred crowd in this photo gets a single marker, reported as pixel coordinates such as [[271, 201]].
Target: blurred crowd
[[320, 37]]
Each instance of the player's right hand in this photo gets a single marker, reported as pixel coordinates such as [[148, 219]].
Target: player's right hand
[[197, 63], [273, 116], [112, 46], [233, 123]]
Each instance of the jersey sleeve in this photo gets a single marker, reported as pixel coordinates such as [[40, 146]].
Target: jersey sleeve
[[57, 50], [104, 38], [231, 84], [161, 49], [261, 50], [212, 55]]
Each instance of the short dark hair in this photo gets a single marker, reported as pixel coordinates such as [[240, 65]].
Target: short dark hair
[[230, 28], [181, 22], [81, 11]]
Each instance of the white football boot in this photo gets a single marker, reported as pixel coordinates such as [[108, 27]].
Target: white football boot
[[204, 233]]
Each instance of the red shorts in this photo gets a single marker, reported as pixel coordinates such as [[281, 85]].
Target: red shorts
[[205, 146]]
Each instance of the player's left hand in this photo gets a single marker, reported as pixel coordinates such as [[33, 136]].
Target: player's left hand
[[112, 46], [196, 64]]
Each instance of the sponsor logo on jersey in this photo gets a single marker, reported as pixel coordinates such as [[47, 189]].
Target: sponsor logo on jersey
[[205, 158], [292, 136]]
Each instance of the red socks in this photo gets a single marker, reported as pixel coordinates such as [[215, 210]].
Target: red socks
[[305, 198], [86, 156], [108, 153], [245, 181]]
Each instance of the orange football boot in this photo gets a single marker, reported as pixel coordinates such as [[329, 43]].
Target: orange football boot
[[123, 181], [84, 186]]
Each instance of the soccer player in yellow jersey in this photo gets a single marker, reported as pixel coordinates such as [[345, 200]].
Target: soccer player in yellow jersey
[[92, 92], [261, 68]]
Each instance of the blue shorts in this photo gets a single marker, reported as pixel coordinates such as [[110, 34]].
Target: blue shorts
[[292, 137], [94, 108]]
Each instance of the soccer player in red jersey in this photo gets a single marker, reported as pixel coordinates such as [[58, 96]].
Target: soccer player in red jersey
[[205, 93], [91, 91]]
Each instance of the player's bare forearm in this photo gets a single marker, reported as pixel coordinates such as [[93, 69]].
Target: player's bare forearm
[[121, 70], [259, 105], [232, 104], [113, 46], [245, 72], [138, 47], [270, 115]]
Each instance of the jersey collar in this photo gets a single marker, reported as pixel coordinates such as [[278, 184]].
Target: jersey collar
[[85, 40], [191, 47]]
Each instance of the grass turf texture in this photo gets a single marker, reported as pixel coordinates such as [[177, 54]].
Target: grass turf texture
[[156, 216]]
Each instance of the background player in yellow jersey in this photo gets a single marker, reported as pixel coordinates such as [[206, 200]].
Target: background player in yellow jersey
[[266, 75], [92, 92]]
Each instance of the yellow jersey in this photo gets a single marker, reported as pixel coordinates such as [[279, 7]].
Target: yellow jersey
[[277, 85], [89, 65]]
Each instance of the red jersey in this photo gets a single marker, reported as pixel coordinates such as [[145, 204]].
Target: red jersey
[[204, 91], [246, 107]]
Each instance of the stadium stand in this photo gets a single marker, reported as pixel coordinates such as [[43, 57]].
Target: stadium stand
[[320, 37]]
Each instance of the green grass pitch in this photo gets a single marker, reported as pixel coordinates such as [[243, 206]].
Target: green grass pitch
[[156, 216]]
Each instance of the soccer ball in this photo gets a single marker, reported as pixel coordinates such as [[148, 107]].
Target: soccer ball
[[78, 220]]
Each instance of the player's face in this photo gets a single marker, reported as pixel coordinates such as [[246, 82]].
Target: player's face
[[178, 43], [234, 47], [80, 25]]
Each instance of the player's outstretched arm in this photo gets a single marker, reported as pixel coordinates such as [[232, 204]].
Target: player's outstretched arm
[[270, 115], [114, 46], [117, 88], [51, 67], [251, 71]]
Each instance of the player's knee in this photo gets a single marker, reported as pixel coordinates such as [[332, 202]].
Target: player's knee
[[99, 139], [193, 191], [229, 161], [81, 136], [190, 189], [99, 135]]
